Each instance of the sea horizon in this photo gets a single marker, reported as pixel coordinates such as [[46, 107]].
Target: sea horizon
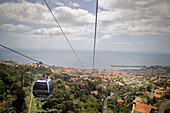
[[103, 59]]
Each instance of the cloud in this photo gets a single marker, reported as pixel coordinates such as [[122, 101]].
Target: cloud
[[118, 17], [73, 4], [57, 2], [12, 27], [47, 36], [55, 31], [134, 17], [70, 16], [27, 35], [60, 4], [106, 37], [146, 42], [130, 4], [39, 14], [25, 12], [72, 33], [121, 43]]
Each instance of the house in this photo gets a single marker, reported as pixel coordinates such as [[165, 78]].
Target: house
[[143, 108], [120, 101], [119, 83], [137, 99], [74, 79], [161, 88], [167, 88], [157, 96], [94, 92], [157, 91]]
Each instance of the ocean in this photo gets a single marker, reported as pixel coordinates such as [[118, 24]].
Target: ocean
[[103, 59]]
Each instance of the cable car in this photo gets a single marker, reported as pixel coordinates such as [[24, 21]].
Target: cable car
[[42, 88]]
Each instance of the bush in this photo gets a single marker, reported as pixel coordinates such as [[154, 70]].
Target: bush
[[167, 109]]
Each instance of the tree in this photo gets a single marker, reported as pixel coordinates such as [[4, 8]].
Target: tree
[[2, 89], [19, 103], [167, 95], [149, 88], [83, 98], [68, 105], [167, 109]]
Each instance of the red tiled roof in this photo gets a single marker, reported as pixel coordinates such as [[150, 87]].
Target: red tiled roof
[[167, 87], [157, 96], [95, 92], [143, 108], [138, 99], [161, 88], [158, 91], [120, 100]]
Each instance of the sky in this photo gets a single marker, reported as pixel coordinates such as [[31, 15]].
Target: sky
[[123, 25]]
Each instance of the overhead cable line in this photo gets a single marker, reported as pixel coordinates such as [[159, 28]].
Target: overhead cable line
[[94, 49], [64, 34], [21, 54]]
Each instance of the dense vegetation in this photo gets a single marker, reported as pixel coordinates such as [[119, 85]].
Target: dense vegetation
[[16, 82], [167, 109], [73, 96], [12, 90], [70, 96]]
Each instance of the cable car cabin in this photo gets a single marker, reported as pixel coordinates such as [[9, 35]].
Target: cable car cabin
[[42, 88]]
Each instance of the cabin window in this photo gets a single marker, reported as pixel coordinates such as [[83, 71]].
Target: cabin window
[[40, 86]]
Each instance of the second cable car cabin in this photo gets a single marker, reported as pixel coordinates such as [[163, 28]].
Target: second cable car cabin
[[42, 88]]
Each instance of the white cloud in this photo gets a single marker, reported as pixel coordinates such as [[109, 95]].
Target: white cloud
[[60, 4], [48, 35], [70, 16], [146, 42], [72, 33], [37, 13], [25, 12], [27, 35], [73, 4], [120, 17], [106, 37], [12, 27], [121, 43], [57, 2], [55, 31], [134, 17]]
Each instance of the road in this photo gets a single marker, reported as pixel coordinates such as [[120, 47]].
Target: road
[[163, 105], [105, 102], [151, 96], [125, 94], [133, 108]]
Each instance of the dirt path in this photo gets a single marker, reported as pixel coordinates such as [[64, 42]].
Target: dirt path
[[30, 102]]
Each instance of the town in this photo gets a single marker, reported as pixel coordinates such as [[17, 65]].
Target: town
[[144, 90]]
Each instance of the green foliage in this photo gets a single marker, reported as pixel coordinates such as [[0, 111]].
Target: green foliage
[[11, 92], [8, 108], [2, 89], [73, 97], [149, 88], [167, 95], [19, 103], [83, 98], [67, 96], [167, 109]]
